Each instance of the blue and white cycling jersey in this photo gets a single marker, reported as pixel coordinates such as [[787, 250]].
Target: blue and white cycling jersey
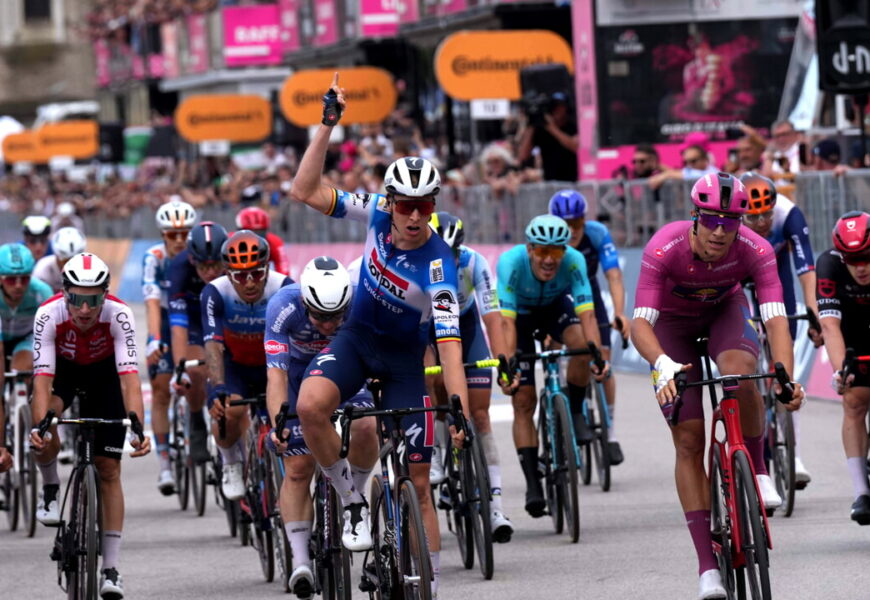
[[17, 323], [597, 247], [519, 291], [399, 291], [155, 281], [790, 230], [290, 335], [476, 283]]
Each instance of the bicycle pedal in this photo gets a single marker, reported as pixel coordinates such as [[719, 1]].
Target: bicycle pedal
[[799, 485], [769, 512]]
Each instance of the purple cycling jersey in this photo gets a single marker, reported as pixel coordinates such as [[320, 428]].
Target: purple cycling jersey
[[673, 280]]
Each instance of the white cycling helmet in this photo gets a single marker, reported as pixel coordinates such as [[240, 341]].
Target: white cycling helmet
[[175, 214], [85, 270], [36, 225], [325, 285], [65, 209], [67, 242], [412, 176]]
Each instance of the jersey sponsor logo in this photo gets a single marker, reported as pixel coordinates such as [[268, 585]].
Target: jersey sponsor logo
[[386, 279], [361, 199], [478, 379], [827, 288], [315, 372], [659, 252], [282, 316], [274, 347], [123, 320], [178, 304], [38, 330], [238, 319], [445, 301], [402, 261], [415, 457], [690, 268], [436, 271], [412, 433], [324, 358]]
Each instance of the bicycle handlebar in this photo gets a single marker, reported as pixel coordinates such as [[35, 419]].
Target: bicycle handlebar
[[132, 421], [618, 321], [480, 364], [183, 365], [222, 422], [554, 354], [850, 363], [18, 374]]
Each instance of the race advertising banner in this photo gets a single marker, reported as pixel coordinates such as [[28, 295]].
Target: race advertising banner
[[252, 35], [197, 44], [102, 57], [171, 58], [236, 118], [707, 77], [288, 16], [409, 10], [325, 23], [378, 18]]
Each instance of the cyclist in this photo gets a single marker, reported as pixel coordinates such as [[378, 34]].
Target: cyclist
[[258, 221], [408, 277], [37, 228], [174, 220], [301, 320], [477, 300], [844, 286], [5, 452], [66, 242], [189, 271], [690, 286], [778, 220], [593, 240], [22, 295], [233, 323], [84, 344], [543, 287]]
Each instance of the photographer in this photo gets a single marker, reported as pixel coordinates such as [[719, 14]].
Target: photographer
[[552, 128]]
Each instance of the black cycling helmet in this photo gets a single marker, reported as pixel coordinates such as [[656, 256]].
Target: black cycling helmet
[[205, 240]]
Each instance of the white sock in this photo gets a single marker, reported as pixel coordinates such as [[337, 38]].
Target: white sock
[[230, 455], [299, 535], [440, 433], [495, 486], [435, 560], [360, 476], [49, 473], [611, 431], [111, 549], [858, 472], [341, 479]]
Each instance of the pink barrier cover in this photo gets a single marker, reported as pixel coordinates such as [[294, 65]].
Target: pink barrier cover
[[252, 35], [379, 18], [288, 18], [171, 59], [325, 23], [101, 57], [197, 46], [409, 10]]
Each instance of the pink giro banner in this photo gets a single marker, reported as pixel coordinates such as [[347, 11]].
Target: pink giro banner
[[325, 23], [409, 10], [379, 18], [585, 87], [171, 61], [288, 17], [452, 6], [197, 46], [101, 57], [252, 35]]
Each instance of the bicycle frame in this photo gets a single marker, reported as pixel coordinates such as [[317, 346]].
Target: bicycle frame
[[554, 394], [19, 402]]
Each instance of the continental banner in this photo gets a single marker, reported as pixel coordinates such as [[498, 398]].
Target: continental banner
[[78, 139], [473, 65], [235, 118], [23, 147], [370, 92]]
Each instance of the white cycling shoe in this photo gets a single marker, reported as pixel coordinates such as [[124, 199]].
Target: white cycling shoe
[[436, 467], [166, 483], [801, 475], [111, 585], [356, 535], [769, 496], [233, 485], [502, 528], [48, 509], [302, 582], [710, 586]]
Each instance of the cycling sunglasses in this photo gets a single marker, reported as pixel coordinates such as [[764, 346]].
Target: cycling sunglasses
[[407, 207], [241, 277], [36, 239], [79, 300], [545, 252], [576, 222], [16, 279], [326, 317], [177, 235], [714, 220], [857, 260], [765, 216]]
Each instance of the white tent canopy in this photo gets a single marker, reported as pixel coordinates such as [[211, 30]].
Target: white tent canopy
[[8, 125]]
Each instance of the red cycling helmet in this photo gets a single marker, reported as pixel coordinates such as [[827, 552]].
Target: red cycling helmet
[[721, 192], [851, 234], [253, 218]]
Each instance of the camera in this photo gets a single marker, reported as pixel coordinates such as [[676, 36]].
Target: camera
[[535, 105]]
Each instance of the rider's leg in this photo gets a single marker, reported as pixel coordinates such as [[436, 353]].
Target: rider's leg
[[578, 379], [297, 509], [420, 478], [160, 417], [112, 501], [363, 452], [196, 399], [46, 460], [855, 403]]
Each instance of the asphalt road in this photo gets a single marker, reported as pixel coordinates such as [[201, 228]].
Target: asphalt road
[[633, 542]]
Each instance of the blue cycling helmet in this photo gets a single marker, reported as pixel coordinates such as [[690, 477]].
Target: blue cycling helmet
[[15, 259], [548, 230], [568, 204], [205, 240]]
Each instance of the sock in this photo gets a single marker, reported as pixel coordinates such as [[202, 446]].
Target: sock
[[49, 472], [699, 528], [360, 476], [230, 455], [299, 535], [435, 560], [161, 444], [611, 431], [495, 486], [857, 466], [577, 396], [755, 445], [440, 433], [340, 478], [111, 549], [529, 463]]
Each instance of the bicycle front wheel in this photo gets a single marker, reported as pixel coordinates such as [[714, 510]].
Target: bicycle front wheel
[[84, 581], [567, 468], [381, 568], [601, 442], [753, 534], [337, 585], [283, 554], [720, 525], [27, 477], [783, 453], [180, 458], [198, 481], [546, 453], [11, 498], [459, 514], [415, 569], [262, 527], [476, 481]]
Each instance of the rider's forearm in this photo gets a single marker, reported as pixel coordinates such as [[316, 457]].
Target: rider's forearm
[[42, 386], [617, 290], [307, 183], [808, 285], [781, 344], [495, 331], [454, 374], [152, 317], [131, 391], [835, 345], [276, 390], [214, 361], [590, 327], [179, 342], [644, 339], [510, 335]]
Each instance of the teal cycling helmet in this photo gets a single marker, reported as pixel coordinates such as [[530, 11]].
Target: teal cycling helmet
[[548, 230], [15, 259]]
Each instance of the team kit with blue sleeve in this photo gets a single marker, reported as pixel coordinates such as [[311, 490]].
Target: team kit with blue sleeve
[[17, 322], [155, 286], [185, 287], [386, 334], [291, 342], [597, 248]]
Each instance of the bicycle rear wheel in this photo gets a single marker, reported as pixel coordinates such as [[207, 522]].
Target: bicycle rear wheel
[[459, 514], [381, 564], [28, 476], [179, 456], [552, 491], [783, 454], [720, 526], [415, 569], [262, 526], [283, 554], [83, 581], [601, 443], [476, 482], [198, 481], [753, 534], [567, 474], [337, 585]]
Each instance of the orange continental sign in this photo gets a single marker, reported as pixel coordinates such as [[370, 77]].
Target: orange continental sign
[[78, 139], [23, 147], [471, 65], [369, 91], [229, 117]]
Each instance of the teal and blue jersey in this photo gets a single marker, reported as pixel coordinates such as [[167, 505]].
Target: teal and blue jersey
[[597, 248], [17, 323]]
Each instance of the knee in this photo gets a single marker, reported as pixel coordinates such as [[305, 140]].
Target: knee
[[524, 405], [298, 472], [422, 486], [481, 420], [690, 447], [854, 407], [364, 429], [109, 470]]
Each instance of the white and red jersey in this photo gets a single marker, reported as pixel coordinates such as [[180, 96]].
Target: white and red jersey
[[54, 333]]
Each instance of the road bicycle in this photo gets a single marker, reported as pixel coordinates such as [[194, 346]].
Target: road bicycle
[[852, 365], [465, 494], [741, 536], [20, 483], [596, 454], [77, 542], [187, 475], [398, 565]]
